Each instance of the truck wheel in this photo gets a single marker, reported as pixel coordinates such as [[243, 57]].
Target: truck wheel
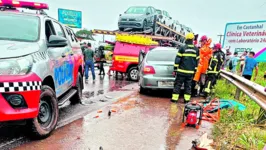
[[44, 124], [77, 97], [133, 74]]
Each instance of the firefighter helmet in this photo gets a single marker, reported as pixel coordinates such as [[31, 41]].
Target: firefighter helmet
[[203, 38], [189, 36], [217, 46]]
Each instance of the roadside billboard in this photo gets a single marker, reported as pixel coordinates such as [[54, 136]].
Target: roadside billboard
[[245, 36], [71, 18]]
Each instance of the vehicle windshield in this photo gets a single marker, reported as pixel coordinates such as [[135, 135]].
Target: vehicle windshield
[[19, 28], [159, 11], [136, 10], [162, 55]]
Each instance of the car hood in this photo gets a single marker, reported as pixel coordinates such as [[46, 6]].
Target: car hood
[[132, 15], [10, 49]]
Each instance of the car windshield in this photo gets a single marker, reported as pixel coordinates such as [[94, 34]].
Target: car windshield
[[161, 55], [159, 11], [136, 10], [19, 28]]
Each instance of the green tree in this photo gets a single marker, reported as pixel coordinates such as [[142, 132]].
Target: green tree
[[85, 34]]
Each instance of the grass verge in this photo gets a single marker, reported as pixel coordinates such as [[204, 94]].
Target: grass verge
[[238, 129]]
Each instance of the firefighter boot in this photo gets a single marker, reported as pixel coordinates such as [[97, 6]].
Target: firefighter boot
[[175, 98], [187, 98]]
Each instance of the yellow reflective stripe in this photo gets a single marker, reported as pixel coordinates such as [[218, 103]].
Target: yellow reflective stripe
[[179, 54], [196, 68], [207, 90], [215, 59], [187, 97], [212, 72], [175, 97], [190, 55], [185, 71], [210, 63], [190, 45], [176, 65], [215, 68], [198, 57]]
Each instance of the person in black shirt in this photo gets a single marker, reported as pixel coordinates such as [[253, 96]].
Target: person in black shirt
[[102, 60]]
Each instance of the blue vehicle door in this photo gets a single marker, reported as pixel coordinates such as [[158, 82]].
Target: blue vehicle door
[[63, 72]]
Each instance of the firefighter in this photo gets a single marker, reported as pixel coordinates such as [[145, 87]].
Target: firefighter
[[219, 47], [205, 55], [214, 68], [185, 63]]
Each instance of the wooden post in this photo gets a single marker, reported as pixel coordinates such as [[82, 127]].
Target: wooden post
[[237, 95], [262, 116]]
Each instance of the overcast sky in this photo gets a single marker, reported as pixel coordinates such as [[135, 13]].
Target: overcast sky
[[203, 16]]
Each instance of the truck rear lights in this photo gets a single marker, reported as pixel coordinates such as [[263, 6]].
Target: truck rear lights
[[148, 70], [15, 100], [23, 4]]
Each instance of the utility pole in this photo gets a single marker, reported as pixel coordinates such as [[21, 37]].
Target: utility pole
[[221, 35]]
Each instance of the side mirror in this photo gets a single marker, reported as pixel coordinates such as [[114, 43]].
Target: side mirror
[[148, 13], [57, 41], [120, 14]]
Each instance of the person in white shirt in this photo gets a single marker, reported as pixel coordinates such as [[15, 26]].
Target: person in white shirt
[[242, 62]]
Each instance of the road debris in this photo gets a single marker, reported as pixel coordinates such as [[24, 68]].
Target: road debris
[[203, 143]]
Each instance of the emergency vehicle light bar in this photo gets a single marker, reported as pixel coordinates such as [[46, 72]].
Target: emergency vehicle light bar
[[23, 4]]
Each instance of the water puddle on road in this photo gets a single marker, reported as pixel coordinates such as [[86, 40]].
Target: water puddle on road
[[133, 122]]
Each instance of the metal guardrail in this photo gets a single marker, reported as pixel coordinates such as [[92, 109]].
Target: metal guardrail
[[253, 90]]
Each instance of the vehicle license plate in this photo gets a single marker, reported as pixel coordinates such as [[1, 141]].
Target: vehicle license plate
[[165, 83]]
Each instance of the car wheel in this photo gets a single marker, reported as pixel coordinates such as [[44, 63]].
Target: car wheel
[[133, 74], [44, 124], [142, 90], [77, 97], [144, 25], [121, 29]]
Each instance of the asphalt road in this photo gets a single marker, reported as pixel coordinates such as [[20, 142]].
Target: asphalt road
[[114, 115], [104, 91]]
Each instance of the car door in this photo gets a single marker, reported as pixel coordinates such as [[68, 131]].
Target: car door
[[64, 72], [149, 16], [154, 14], [76, 53]]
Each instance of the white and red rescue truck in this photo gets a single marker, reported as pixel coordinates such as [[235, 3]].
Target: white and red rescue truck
[[41, 67]]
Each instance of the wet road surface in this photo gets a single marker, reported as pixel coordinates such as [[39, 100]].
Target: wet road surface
[[104, 91], [134, 122]]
